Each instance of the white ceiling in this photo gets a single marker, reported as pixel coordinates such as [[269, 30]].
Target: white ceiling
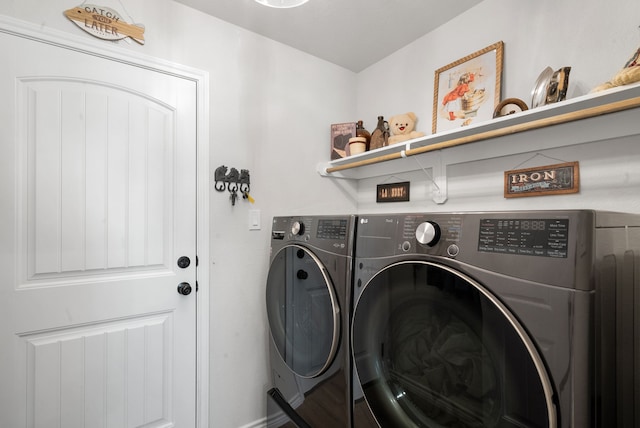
[[351, 33]]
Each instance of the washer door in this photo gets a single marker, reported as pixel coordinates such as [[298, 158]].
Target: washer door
[[433, 348], [303, 311]]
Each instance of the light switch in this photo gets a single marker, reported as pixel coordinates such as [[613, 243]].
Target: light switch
[[254, 219]]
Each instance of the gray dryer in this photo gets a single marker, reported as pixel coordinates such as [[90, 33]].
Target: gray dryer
[[307, 300]]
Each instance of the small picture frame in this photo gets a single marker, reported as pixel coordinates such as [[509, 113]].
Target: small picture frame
[[340, 134], [468, 90], [555, 179], [393, 192]]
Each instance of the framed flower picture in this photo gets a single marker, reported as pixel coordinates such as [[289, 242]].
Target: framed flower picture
[[468, 90]]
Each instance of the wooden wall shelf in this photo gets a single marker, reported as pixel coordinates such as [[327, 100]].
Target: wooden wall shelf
[[593, 117], [573, 110]]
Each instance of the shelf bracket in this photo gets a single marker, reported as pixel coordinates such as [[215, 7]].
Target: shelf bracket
[[439, 178], [439, 185], [321, 168]]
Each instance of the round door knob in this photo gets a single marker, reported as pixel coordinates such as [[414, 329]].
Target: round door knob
[[184, 288], [297, 228], [428, 233]]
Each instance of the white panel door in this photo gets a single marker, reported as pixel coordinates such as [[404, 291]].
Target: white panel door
[[98, 202]]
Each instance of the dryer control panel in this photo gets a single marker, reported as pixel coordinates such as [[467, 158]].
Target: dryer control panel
[[329, 233], [332, 228]]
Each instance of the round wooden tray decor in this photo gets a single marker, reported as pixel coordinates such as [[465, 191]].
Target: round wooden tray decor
[[509, 106]]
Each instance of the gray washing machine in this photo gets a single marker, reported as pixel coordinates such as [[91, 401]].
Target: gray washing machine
[[308, 300], [488, 319]]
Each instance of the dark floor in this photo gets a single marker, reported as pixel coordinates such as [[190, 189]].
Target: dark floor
[[325, 406]]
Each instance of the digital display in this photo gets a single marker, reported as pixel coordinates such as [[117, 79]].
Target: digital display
[[332, 229], [532, 237], [533, 224]]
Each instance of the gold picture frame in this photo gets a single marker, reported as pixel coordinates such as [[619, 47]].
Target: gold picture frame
[[467, 90]]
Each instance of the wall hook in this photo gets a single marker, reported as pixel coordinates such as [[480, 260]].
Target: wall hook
[[232, 182]]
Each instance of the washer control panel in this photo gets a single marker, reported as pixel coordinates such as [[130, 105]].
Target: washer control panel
[[531, 237], [435, 234]]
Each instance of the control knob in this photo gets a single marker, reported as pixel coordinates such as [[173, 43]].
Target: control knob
[[428, 233], [297, 228]]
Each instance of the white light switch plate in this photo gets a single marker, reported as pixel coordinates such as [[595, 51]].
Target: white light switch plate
[[254, 219]]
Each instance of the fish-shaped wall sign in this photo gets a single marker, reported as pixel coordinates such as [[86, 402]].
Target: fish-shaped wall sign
[[104, 23]]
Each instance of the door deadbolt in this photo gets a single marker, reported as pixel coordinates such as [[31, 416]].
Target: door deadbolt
[[184, 262]]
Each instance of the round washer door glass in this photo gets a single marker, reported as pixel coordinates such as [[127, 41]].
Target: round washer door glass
[[433, 348], [303, 311]]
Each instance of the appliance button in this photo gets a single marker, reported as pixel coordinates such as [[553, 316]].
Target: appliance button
[[453, 250], [406, 246]]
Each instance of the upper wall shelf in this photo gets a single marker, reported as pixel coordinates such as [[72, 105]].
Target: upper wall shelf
[[593, 117]]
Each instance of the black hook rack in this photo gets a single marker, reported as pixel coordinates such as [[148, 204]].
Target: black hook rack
[[233, 181]]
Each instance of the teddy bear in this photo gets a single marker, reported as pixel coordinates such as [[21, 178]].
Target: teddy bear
[[402, 128]]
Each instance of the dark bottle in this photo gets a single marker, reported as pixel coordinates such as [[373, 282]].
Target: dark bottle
[[361, 132], [380, 135]]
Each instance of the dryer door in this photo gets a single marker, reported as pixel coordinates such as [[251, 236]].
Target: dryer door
[[303, 311], [433, 348]]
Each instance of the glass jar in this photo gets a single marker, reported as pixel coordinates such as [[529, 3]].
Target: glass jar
[[362, 132]]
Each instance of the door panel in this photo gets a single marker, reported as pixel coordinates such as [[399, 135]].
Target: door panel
[[98, 189], [98, 366], [98, 196]]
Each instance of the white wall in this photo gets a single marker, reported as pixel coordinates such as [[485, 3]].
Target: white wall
[[594, 39], [270, 110]]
